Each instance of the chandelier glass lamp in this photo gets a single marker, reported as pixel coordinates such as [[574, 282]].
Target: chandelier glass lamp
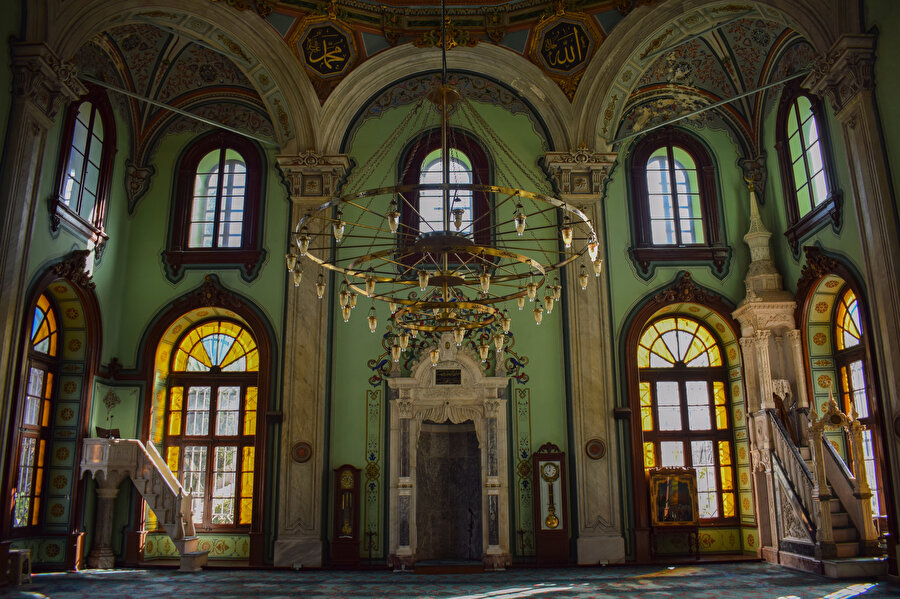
[[448, 253]]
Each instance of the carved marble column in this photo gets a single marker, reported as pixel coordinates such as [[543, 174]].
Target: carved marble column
[[312, 179], [41, 85], [845, 75], [580, 176], [102, 556]]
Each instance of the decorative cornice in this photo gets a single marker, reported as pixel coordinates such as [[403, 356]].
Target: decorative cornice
[[42, 79], [311, 175], [210, 294], [73, 268], [548, 447], [844, 71], [580, 171]]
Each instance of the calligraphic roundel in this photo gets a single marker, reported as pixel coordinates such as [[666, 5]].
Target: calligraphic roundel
[[326, 48], [563, 45]]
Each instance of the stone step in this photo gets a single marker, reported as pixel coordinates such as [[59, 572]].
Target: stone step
[[835, 507], [855, 567], [841, 520], [845, 534], [193, 561], [805, 453], [850, 549]]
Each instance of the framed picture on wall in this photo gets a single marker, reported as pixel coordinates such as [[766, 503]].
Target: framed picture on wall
[[673, 497]]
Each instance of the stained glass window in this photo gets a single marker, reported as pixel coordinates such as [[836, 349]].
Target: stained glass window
[[853, 380], [211, 421], [684, 412], [34, 417], [807, 165]]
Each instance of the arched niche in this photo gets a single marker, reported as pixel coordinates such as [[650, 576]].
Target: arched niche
[[454, 389]]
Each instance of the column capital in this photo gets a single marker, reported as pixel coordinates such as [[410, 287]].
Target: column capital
[[313, 178], [580, 174], [844, 70], [42, 79]]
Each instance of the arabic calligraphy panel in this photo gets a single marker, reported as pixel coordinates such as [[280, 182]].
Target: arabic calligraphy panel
[[326, 50], [565, 47]]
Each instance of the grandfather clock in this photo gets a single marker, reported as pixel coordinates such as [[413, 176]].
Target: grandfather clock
[[551, 518], [345, 537]]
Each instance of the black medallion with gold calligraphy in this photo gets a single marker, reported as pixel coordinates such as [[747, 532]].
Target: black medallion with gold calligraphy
[[565, 46], [326, 50]]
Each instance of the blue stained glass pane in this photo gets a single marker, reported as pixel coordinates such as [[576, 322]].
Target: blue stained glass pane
[[217, 347], [38, 319]]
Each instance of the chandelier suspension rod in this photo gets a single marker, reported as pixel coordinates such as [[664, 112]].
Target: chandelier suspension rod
[[715, 105], [445, 150], [171, 108]]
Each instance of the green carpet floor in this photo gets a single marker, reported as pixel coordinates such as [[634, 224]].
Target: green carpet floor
[[745, 580]]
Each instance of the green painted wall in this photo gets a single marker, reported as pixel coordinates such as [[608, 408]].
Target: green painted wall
[[885, 16]]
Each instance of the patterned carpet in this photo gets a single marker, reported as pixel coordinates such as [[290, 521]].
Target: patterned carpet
[[745, 580]]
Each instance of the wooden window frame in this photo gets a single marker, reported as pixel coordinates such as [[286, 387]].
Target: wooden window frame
[[644, 252], [410, 165], [94, 228], [830, 209], [178, 256], [682, 375]]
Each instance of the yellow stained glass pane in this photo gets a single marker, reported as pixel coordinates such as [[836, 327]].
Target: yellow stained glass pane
[[643, 357], [43, 303], [48, 385], [42, 333], [646, 408], [649, 335], [229, 328], [253, 361], [246, 514], [172, 459], [727, 474], [177, 396], [649, 455], [721, 418], [715, 356], [251, 399], [724, 453], [247, 463], [174, 423], [665, 325], [208, 328], [719, 393], [198, 352], [661, 349], [728, 505], [150, 520], [235, 352], [705, 336], [179, 362], [690, 326], [694, 350], [250, 411], [39, 480], [45, 420], [37, 511], [40, 461], [247, 485], [53, 339]]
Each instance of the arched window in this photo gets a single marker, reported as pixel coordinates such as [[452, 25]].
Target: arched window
[[34, 415], [806, 171], [674, 202], [423, 214], [217, 217], [684, 409], [854, 387], [210, 424], [85, 163]]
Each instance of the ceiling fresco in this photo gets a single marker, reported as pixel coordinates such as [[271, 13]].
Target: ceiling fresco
[[167, 68]]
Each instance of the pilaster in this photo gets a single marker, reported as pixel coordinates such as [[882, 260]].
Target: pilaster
[[844, 74], [580, 176], [312, 180], [41, 85]]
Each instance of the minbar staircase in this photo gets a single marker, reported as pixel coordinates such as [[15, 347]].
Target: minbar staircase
[[112, 460], [833, 503]]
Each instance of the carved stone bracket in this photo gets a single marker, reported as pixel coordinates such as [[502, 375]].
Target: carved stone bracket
[[42, 79], [580, 171], [73, 268], [683, 290], [311, 176], [844, 71], [754, 170], [137, 182]]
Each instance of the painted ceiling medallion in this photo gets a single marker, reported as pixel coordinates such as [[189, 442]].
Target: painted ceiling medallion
[[563, 45]]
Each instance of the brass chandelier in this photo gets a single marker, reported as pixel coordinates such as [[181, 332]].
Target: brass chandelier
[[458, 271]]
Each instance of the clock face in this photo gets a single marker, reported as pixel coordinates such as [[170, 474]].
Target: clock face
[[549, 470]]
